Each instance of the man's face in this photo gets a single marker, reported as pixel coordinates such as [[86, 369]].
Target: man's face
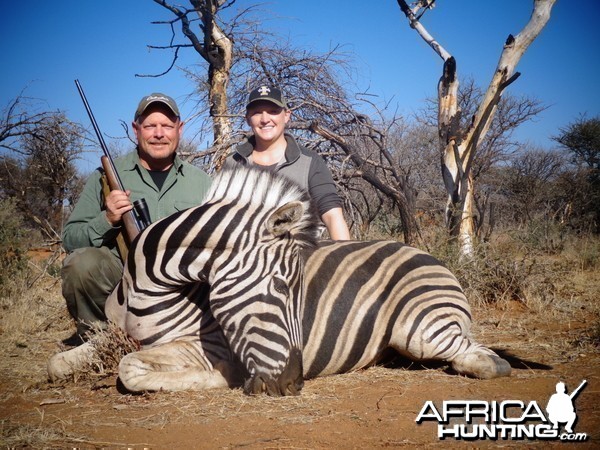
[[158, 132], [267, 120]]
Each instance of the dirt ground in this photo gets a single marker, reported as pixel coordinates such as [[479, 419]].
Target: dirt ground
[[371, 408]]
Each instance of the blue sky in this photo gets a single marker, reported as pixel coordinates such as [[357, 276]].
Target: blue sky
[[46, 45]]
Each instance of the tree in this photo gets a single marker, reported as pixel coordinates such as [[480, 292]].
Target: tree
[[216, 48], [325, 116], [582, 139], [21, 117], [458, 145], [43, 176], [497, 147], [530, 184]]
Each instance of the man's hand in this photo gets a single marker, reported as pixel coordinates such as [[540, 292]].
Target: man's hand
[[117, 204]]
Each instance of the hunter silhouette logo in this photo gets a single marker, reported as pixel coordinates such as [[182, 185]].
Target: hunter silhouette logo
[[560, 406], [507, 419]]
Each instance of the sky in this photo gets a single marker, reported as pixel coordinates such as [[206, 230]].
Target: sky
[[46, 45]]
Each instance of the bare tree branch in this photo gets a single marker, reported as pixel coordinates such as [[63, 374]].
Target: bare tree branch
[[459, 145], [20, 118]]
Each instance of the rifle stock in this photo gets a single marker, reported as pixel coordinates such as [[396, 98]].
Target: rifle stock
[[130, 222]]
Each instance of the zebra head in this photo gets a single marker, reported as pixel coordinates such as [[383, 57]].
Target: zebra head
[[257, 286]]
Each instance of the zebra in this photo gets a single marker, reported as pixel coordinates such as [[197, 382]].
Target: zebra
[[239, 292], [241, 249]]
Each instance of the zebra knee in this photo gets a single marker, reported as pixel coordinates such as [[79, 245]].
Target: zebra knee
[[132, 372], [65, 364], [481, 365], [141, 372]]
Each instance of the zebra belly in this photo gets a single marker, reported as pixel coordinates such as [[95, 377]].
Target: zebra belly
[[365, 297]]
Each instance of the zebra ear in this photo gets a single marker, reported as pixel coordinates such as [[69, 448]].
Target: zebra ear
[[285, 218]]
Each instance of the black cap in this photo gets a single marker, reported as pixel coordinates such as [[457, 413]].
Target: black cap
[[268, 94]]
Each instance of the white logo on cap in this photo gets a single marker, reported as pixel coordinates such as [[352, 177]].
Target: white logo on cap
[[263, 90], [156, 97]]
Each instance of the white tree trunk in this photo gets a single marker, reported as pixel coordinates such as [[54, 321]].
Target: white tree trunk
[[460, 146]]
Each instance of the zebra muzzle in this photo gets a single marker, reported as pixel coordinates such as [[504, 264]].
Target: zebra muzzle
[[289, 382]]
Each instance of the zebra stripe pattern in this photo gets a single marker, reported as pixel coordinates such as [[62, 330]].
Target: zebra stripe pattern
[[363, 298], [280, 307], [244, 242]]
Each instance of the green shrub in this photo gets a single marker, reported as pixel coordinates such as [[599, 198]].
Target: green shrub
[[543, 236], [506, 269], [14, 242], [584, 251]]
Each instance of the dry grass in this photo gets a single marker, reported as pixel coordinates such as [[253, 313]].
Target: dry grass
[[33, 311], [30, 436], [552, 289], [111, 344]]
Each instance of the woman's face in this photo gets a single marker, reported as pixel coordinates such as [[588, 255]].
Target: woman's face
[[267, 120]]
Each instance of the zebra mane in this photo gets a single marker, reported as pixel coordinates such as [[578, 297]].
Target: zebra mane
[[267, 190]]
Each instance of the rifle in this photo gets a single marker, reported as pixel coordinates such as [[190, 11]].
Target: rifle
[[136, 219], [576, 391]]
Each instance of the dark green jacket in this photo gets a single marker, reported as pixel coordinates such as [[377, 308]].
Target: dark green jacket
[[87, 226]]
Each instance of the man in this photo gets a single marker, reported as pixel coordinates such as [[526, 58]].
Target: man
[[153, 172], [560, 407], [270, 146]]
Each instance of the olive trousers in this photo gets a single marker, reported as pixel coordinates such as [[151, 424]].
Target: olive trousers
[[89, 275]]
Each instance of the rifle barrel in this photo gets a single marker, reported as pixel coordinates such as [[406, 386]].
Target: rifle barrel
[[98, 133], [132, 222], [576, 391]]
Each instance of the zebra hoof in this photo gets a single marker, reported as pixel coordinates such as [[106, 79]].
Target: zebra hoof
[[482, 366], [65, 364]]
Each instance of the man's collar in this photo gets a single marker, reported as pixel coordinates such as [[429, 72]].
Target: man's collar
[[132, 160], [178, 164]]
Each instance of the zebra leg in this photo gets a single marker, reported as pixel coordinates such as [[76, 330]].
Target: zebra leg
[[175, 366], [451, 342], [480, 362], [65, 364]]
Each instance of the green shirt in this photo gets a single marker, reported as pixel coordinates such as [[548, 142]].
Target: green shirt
[[185, 186]]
